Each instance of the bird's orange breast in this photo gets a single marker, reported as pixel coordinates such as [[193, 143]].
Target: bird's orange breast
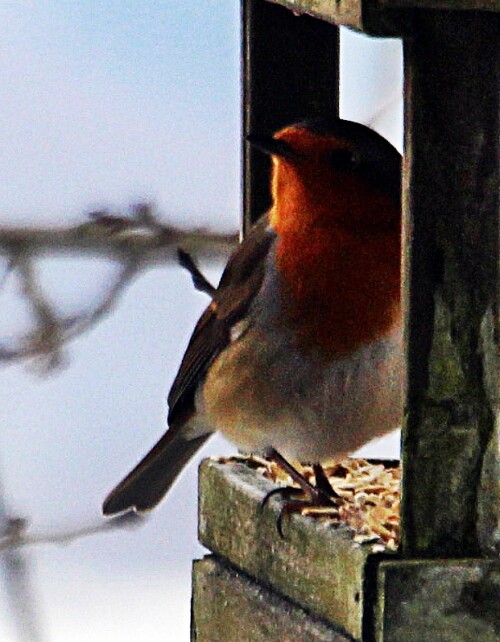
[[341, 286]]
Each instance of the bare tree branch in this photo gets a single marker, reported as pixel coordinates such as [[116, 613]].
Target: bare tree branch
[[200, 281], [382, 110], [16, 568], [17, 535], [48, 338], [16, 577], [137, 242], [112, 236], [76, 325], [53, 331]]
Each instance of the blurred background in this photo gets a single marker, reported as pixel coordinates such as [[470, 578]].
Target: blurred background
[[104, 104]]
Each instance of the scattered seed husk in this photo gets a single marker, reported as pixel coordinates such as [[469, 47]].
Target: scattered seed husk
[[368, 498]]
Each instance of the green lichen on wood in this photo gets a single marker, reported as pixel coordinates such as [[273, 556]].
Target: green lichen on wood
[[315, 565], [229, 605], [449, 601], [452, 268], [448, 446], [446, 378]]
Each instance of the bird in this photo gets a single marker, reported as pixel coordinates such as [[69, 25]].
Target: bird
[[299, 353]]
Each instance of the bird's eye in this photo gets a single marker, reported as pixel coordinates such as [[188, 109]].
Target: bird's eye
[[343, 160]]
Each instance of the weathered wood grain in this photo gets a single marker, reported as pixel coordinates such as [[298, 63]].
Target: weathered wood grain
[[451, 228]]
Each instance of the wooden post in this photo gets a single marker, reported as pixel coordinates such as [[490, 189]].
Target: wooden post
[[290, 71], [451, 233]]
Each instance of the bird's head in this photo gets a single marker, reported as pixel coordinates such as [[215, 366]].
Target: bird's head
[[337, 211], [333, 173]]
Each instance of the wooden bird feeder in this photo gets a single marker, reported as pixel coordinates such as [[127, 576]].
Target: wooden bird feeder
[[443, 584]]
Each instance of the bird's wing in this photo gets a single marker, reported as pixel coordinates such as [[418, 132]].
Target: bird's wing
[[239, 284]]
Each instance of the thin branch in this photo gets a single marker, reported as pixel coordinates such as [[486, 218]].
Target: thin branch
[[200, 281], [6, 273], [379, 113], [48, 338], [115, 237], [17, 536], [76, 325], [138, 241], [53, 331], [17, 580]]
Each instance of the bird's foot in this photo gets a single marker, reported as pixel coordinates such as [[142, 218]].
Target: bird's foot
[[320, 494]]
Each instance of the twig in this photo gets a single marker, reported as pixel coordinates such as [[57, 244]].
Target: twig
[[116, 237], [77, 325], [48, 339], [19, 538], [394, 98], [200, 281], [138, 242], [15, 570]]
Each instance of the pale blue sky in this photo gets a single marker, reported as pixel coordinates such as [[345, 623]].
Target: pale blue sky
[[113, 101]]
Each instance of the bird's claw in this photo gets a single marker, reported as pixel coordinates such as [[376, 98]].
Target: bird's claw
[[319, 494]]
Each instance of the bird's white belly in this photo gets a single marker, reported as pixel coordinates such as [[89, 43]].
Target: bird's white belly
[[263, 392]]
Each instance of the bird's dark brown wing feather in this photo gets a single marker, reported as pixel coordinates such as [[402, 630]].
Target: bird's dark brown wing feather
[[238, 286], [148, 482]]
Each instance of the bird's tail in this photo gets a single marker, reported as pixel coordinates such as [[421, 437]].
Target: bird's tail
[[150, 480]]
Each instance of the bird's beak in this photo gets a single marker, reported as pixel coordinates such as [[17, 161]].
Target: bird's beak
[[272, 146]]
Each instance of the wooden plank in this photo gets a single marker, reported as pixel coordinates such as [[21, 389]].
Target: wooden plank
[[452, 5], [345, 12], [290, 71], [362, 15], [380, 17], [228, 605], [449, 601], [316, 566], [451, 228]]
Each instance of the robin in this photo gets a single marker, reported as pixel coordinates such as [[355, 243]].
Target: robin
[[299, 354]]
